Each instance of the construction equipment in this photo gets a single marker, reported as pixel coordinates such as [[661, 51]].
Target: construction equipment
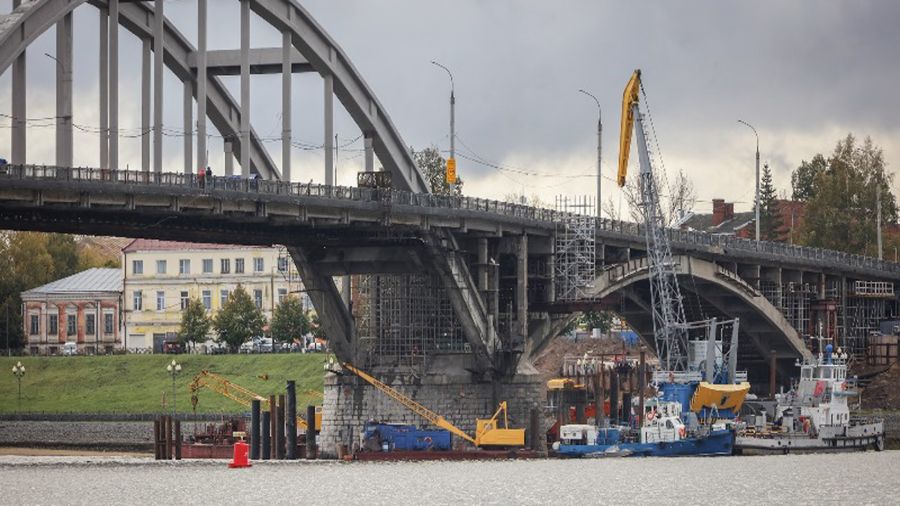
[[487, 431], [243, 396]]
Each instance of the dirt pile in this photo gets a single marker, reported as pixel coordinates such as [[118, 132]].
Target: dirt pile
[[883, 391]]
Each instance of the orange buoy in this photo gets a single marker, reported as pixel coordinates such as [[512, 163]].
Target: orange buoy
[[241, 455]]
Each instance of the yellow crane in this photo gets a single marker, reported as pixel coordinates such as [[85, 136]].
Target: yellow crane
[[487, 431], [244, 396]]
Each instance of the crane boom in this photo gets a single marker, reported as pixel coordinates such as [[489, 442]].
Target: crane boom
[[410, 404], [629, 98], [235, 392]]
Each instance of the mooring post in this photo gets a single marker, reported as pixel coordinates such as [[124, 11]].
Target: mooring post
[[291, 419], [614, 396], [279, 435], [254, 429], [310, 432], [642, 381], [273, 428], [157, 455], [177, 439], [168, 430], [264, 438]]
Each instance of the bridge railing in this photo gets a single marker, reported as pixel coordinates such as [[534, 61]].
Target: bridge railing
[[405, 198]]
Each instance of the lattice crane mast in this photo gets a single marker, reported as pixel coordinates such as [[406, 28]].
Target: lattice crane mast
[[669, 322]]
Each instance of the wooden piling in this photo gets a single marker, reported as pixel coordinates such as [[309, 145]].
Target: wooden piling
[[254, 429], [157, 454], [311, 432], [291, 420], [279, 434], [273, 428], [265, 438], [177, 439]]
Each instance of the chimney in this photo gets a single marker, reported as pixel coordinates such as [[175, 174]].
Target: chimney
[[729, 211], [718, 212]]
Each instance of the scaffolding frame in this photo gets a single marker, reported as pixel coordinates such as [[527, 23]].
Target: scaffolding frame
[[575, 265]]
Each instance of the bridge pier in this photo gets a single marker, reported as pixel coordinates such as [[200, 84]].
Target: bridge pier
[[448, 389]]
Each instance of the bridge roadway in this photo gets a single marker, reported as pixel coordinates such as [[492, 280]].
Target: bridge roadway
[[370, 231]]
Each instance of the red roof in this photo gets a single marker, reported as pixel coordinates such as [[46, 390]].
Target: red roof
[[156, 245]]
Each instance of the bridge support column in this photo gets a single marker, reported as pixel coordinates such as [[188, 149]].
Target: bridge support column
[[18, 134], [64, 91], [286, 47], [229, 159], [369, 153], [329, 128], [202, 161], [245, 88], [158, 51], [104, 88], [188, 127], [113, 80], [145, 104], [522, 285]]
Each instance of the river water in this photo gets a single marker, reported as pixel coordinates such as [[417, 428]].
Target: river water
[[859, 478]]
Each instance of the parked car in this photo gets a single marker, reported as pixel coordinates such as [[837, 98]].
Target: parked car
[[265, 345], [70, 349], [173, 347], [250, 346]]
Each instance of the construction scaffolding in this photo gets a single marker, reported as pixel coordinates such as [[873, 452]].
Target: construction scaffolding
[[402, 319], [575, 248]]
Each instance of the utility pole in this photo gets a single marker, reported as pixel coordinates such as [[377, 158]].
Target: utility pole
[[599, 152], [878, 217], [451, 162], [757, 175]]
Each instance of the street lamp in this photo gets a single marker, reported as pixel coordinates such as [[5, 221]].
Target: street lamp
[[19, 370], [757, 174], [451, 162], [174, 368], [599, 149]]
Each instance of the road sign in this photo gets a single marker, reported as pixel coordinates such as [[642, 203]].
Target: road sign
[[451, 171]]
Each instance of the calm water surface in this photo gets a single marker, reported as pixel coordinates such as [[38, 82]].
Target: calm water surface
[[860, 478]]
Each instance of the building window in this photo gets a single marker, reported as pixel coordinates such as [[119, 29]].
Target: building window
[[238, 265], [71, 324], [160, 266], [138, 303], [90, 324], [282, 293], [282, 264], [184, 300], [225, 266], [52, 324], [184, 266], [223, 297], [160, 301], [258, 298], [258, 264], [207, 266], [137, 266], [207, 299], [35, 326], [108, 323]]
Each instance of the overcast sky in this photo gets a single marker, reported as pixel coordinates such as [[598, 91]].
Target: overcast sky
[[804, 73]]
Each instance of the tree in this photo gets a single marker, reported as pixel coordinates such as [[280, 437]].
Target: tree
[[520, 198], [434, 168], [289, 321], [195, 324], [840, 214], [804, 177], [676, 200], [770, 222], [597, 320], [64, 251], [239, 319]]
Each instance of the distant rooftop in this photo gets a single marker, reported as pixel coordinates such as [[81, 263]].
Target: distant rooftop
[[91, 280], [156, 245]]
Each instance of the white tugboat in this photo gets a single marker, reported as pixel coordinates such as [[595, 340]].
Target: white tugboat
[[814, 416]]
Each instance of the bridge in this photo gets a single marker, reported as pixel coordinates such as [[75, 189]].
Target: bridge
[[448, 297]]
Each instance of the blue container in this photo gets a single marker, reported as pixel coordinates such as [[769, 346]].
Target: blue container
[[407, 437]]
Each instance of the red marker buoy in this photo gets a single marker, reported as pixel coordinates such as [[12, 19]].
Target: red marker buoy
[[241, 455]]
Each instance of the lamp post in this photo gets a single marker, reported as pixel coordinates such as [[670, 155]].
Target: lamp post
[[19, 370], [174, 368], [599, 150], [451, 162], [757, 175]]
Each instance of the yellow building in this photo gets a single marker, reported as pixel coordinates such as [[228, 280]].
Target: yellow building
[[162, 276]]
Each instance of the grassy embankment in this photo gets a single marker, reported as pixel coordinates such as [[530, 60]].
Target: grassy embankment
[[138, 383]]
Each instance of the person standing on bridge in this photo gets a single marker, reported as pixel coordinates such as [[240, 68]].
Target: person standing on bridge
[[208, 175], [201, 178]]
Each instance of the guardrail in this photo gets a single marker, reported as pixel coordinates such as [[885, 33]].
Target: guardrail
[[683, 238]]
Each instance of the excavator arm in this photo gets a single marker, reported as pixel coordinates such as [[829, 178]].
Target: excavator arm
[[629, 98]]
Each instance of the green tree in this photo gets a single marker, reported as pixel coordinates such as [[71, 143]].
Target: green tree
[[770, 222], [596, 320], [64, 251], [803, 178], [841, 213], [195, 324], [239, 319], [434, 168], [289, 321]]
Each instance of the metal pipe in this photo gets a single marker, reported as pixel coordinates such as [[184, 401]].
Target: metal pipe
[[279, 429], [265, 437], [254, 428], [452, 110], [245, 88], [290, 418], [286, 47], [273, 427], [158, 51], [599, 152]]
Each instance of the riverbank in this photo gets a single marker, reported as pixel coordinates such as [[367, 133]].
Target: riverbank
[[140, 384]]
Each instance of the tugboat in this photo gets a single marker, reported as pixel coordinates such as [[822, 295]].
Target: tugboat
[[814, 415]]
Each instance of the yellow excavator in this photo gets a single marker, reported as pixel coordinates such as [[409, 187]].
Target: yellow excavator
[[488, 432], [245, 396]]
